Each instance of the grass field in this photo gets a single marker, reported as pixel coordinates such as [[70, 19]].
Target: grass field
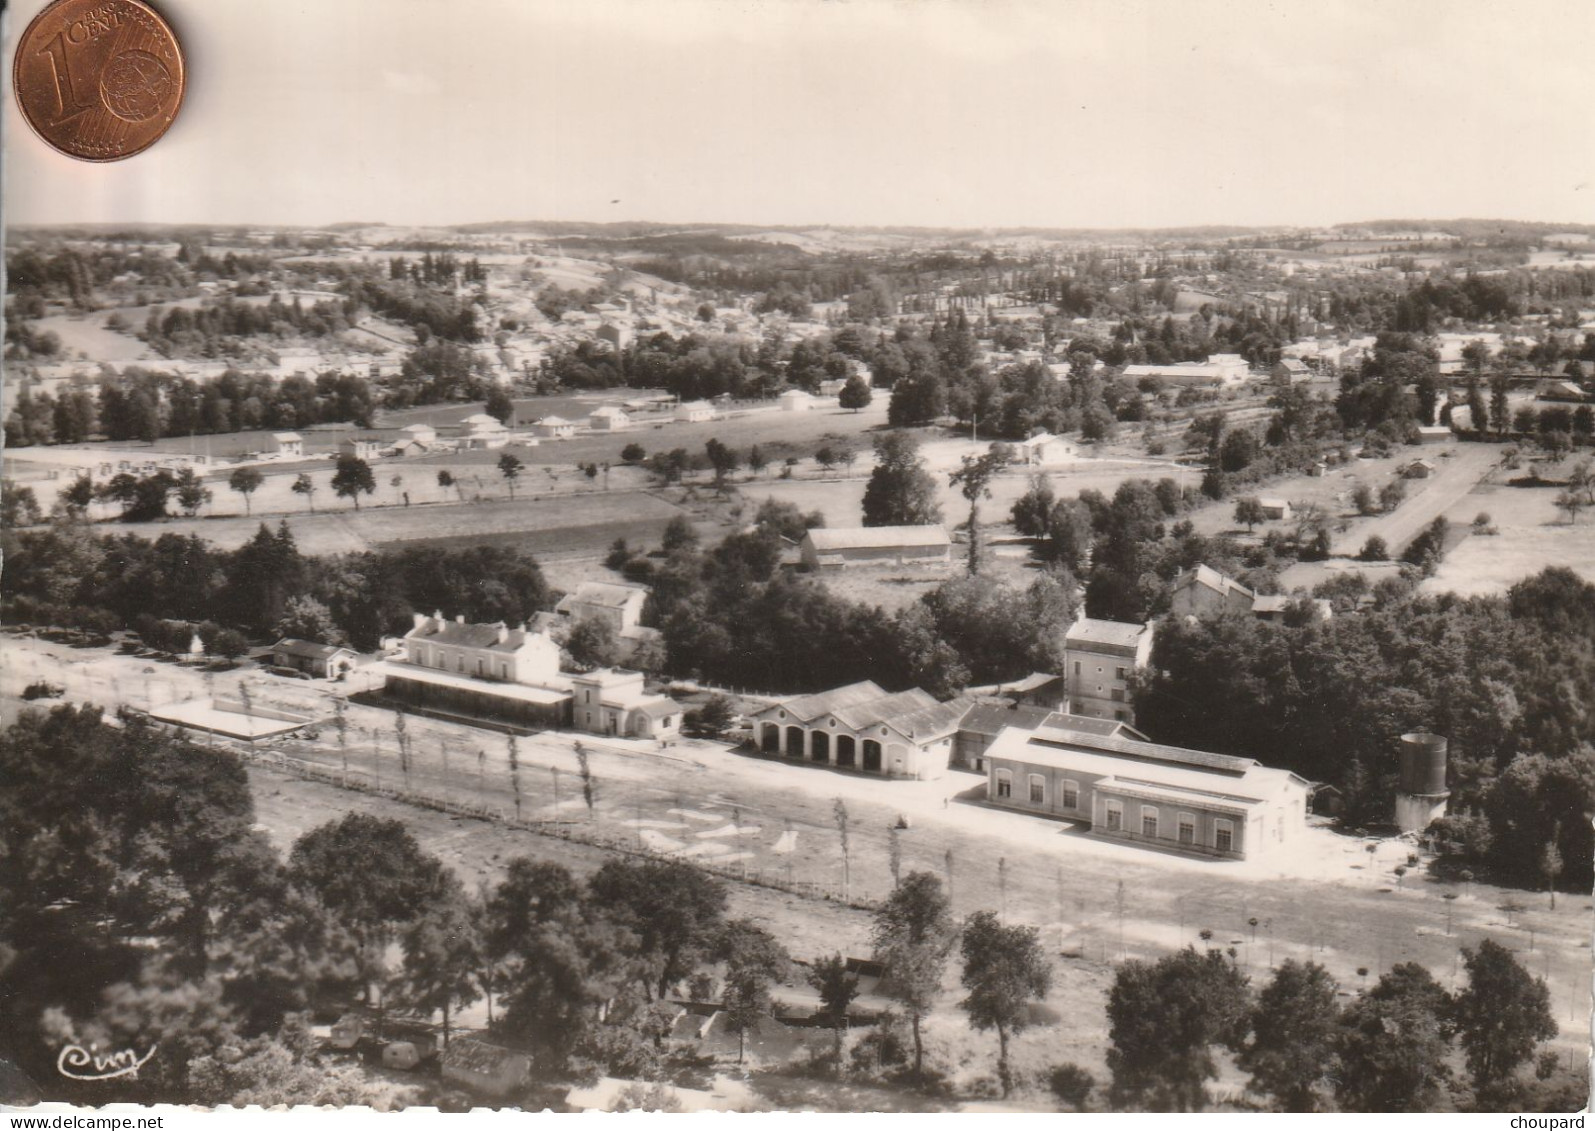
[[1533, 535]]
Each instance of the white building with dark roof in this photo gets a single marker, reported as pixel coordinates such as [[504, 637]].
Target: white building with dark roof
[[839, 547], [290, 445], [904, 734], [1124, 788], [1100, 660]]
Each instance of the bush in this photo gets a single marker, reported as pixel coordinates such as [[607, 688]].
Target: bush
[[710, 720], [619, 554], [1374, 550], [1071, 1084], [39, 689], [633, 453]]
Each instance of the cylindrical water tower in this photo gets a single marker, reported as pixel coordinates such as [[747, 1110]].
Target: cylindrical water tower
[[1421, 795]]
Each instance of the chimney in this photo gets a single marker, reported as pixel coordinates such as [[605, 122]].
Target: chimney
[[420, 619], [503, 633], [459, 618]]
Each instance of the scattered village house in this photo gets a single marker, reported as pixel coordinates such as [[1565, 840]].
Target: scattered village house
[[423, 434], [1275, 509], [694, 412], [555, 428], [362, 447], [1100, 658], [481, 431], [609, 418], [1187, 801], [1204, 592], [324, 661], [795, 400], [837, 548], [1042, 448], [907, 734], [290, 445]]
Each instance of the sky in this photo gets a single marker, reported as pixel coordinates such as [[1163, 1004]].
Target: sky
[[936, 113]]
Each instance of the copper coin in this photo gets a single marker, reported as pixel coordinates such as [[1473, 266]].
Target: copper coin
[[99, 79]]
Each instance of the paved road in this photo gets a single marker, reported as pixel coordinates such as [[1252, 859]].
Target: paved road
[[1426, 499]]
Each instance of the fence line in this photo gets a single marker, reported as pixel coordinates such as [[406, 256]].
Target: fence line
[[356, 780]]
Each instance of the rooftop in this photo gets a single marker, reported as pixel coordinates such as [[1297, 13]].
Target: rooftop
[[1146, 765], [307, 649], [496, 637], [606, 594], [862, 705], [1113, 633], [876, 537]]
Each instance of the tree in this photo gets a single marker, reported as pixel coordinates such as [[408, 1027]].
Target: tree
[[837, 988], [855, 394], [191, 492], [1391, 495], [246, 481], [1163, 1019], [445, 478], [593, 643], [353, 478], [509, 467], [1551, 865], [754, 962], [633, 453], [913, 936], [443, 955], [1293, 1024], [1004, 971], [370, 875], [757, 461], [673, 910], [1392, 1044], [499, 406], [679, 535], [1501, 1015], [900, 491], [1030, 510], [723, 459], [1374, 550], [974, 481], [827, 457], [1572, 502], [1250, 512], [229, 644], [305, 618]]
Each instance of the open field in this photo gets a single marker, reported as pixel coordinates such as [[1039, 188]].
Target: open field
[[1327, 899], [1533, 535], [550, 523]]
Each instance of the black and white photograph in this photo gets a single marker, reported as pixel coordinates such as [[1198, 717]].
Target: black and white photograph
[[828, 556]]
